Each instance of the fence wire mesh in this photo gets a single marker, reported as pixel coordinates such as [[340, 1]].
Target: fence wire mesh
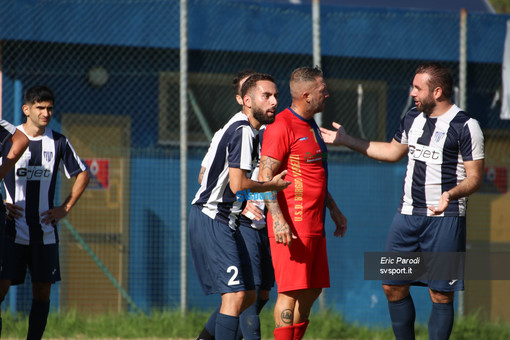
[[114, 67]]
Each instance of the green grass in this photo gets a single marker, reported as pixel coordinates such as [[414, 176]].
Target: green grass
[[171, 324]]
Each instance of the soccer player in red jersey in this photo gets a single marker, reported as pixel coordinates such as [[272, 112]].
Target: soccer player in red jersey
[[297, 237]]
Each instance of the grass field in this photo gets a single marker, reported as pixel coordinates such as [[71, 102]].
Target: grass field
[[172, 325]]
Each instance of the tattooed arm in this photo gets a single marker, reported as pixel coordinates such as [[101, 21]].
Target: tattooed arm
[[282, 233]]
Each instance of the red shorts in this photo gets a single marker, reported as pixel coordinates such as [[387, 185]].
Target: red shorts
[[304, 265]]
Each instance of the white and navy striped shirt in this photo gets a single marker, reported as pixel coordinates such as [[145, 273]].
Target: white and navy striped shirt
[[231, 147], [6, 131], [438, 148], [31, 185], [245, 221]]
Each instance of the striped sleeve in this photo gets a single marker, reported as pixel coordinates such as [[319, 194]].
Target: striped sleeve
[[472, 141], [71, 164], [210, 150], [400, 135], [240, 148], [6, 131]]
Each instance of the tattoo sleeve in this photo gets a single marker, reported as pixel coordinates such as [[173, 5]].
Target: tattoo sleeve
[[268, 168]]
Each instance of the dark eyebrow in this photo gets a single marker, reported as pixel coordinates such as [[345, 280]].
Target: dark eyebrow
[[270, 93]]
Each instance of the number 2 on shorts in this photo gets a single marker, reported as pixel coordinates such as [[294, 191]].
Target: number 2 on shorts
[[233, 280]]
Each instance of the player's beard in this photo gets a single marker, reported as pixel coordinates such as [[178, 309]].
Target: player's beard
[[317, 105], [426, 105], [262, 116]]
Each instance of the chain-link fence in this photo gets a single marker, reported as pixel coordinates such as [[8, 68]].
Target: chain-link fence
[[115, 66]]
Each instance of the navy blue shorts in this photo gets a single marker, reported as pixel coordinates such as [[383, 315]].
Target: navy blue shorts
[[257, 242], [410, 233], [219, 255], [41, 259]]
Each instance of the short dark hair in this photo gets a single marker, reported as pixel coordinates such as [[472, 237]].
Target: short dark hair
[[240, 76], [37, 94], [440, 76], [306, 73], [252, 81]]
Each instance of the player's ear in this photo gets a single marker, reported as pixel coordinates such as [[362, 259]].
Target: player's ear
[[306, 97], [239, 99], [437, 93], [26, 109], [247, 100]]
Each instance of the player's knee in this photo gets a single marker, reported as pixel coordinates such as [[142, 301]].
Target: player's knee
[[263, 294], [441, 297], [41, 296], [395, 293], [260, 303], [250, 297], [317, 292], [308, 296]]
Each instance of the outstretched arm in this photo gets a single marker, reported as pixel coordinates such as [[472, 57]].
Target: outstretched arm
[[281, 229], [57, 213], [381, 151]]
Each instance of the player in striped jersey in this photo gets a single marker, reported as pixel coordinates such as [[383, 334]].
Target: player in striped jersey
[[254, 232], [31, 239], [18, 143], [218, 251], [445, 149]]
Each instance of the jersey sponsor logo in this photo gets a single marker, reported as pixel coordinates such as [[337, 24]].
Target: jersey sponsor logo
[[425, 154], [303, 138], [319, 156], [34, 173]]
